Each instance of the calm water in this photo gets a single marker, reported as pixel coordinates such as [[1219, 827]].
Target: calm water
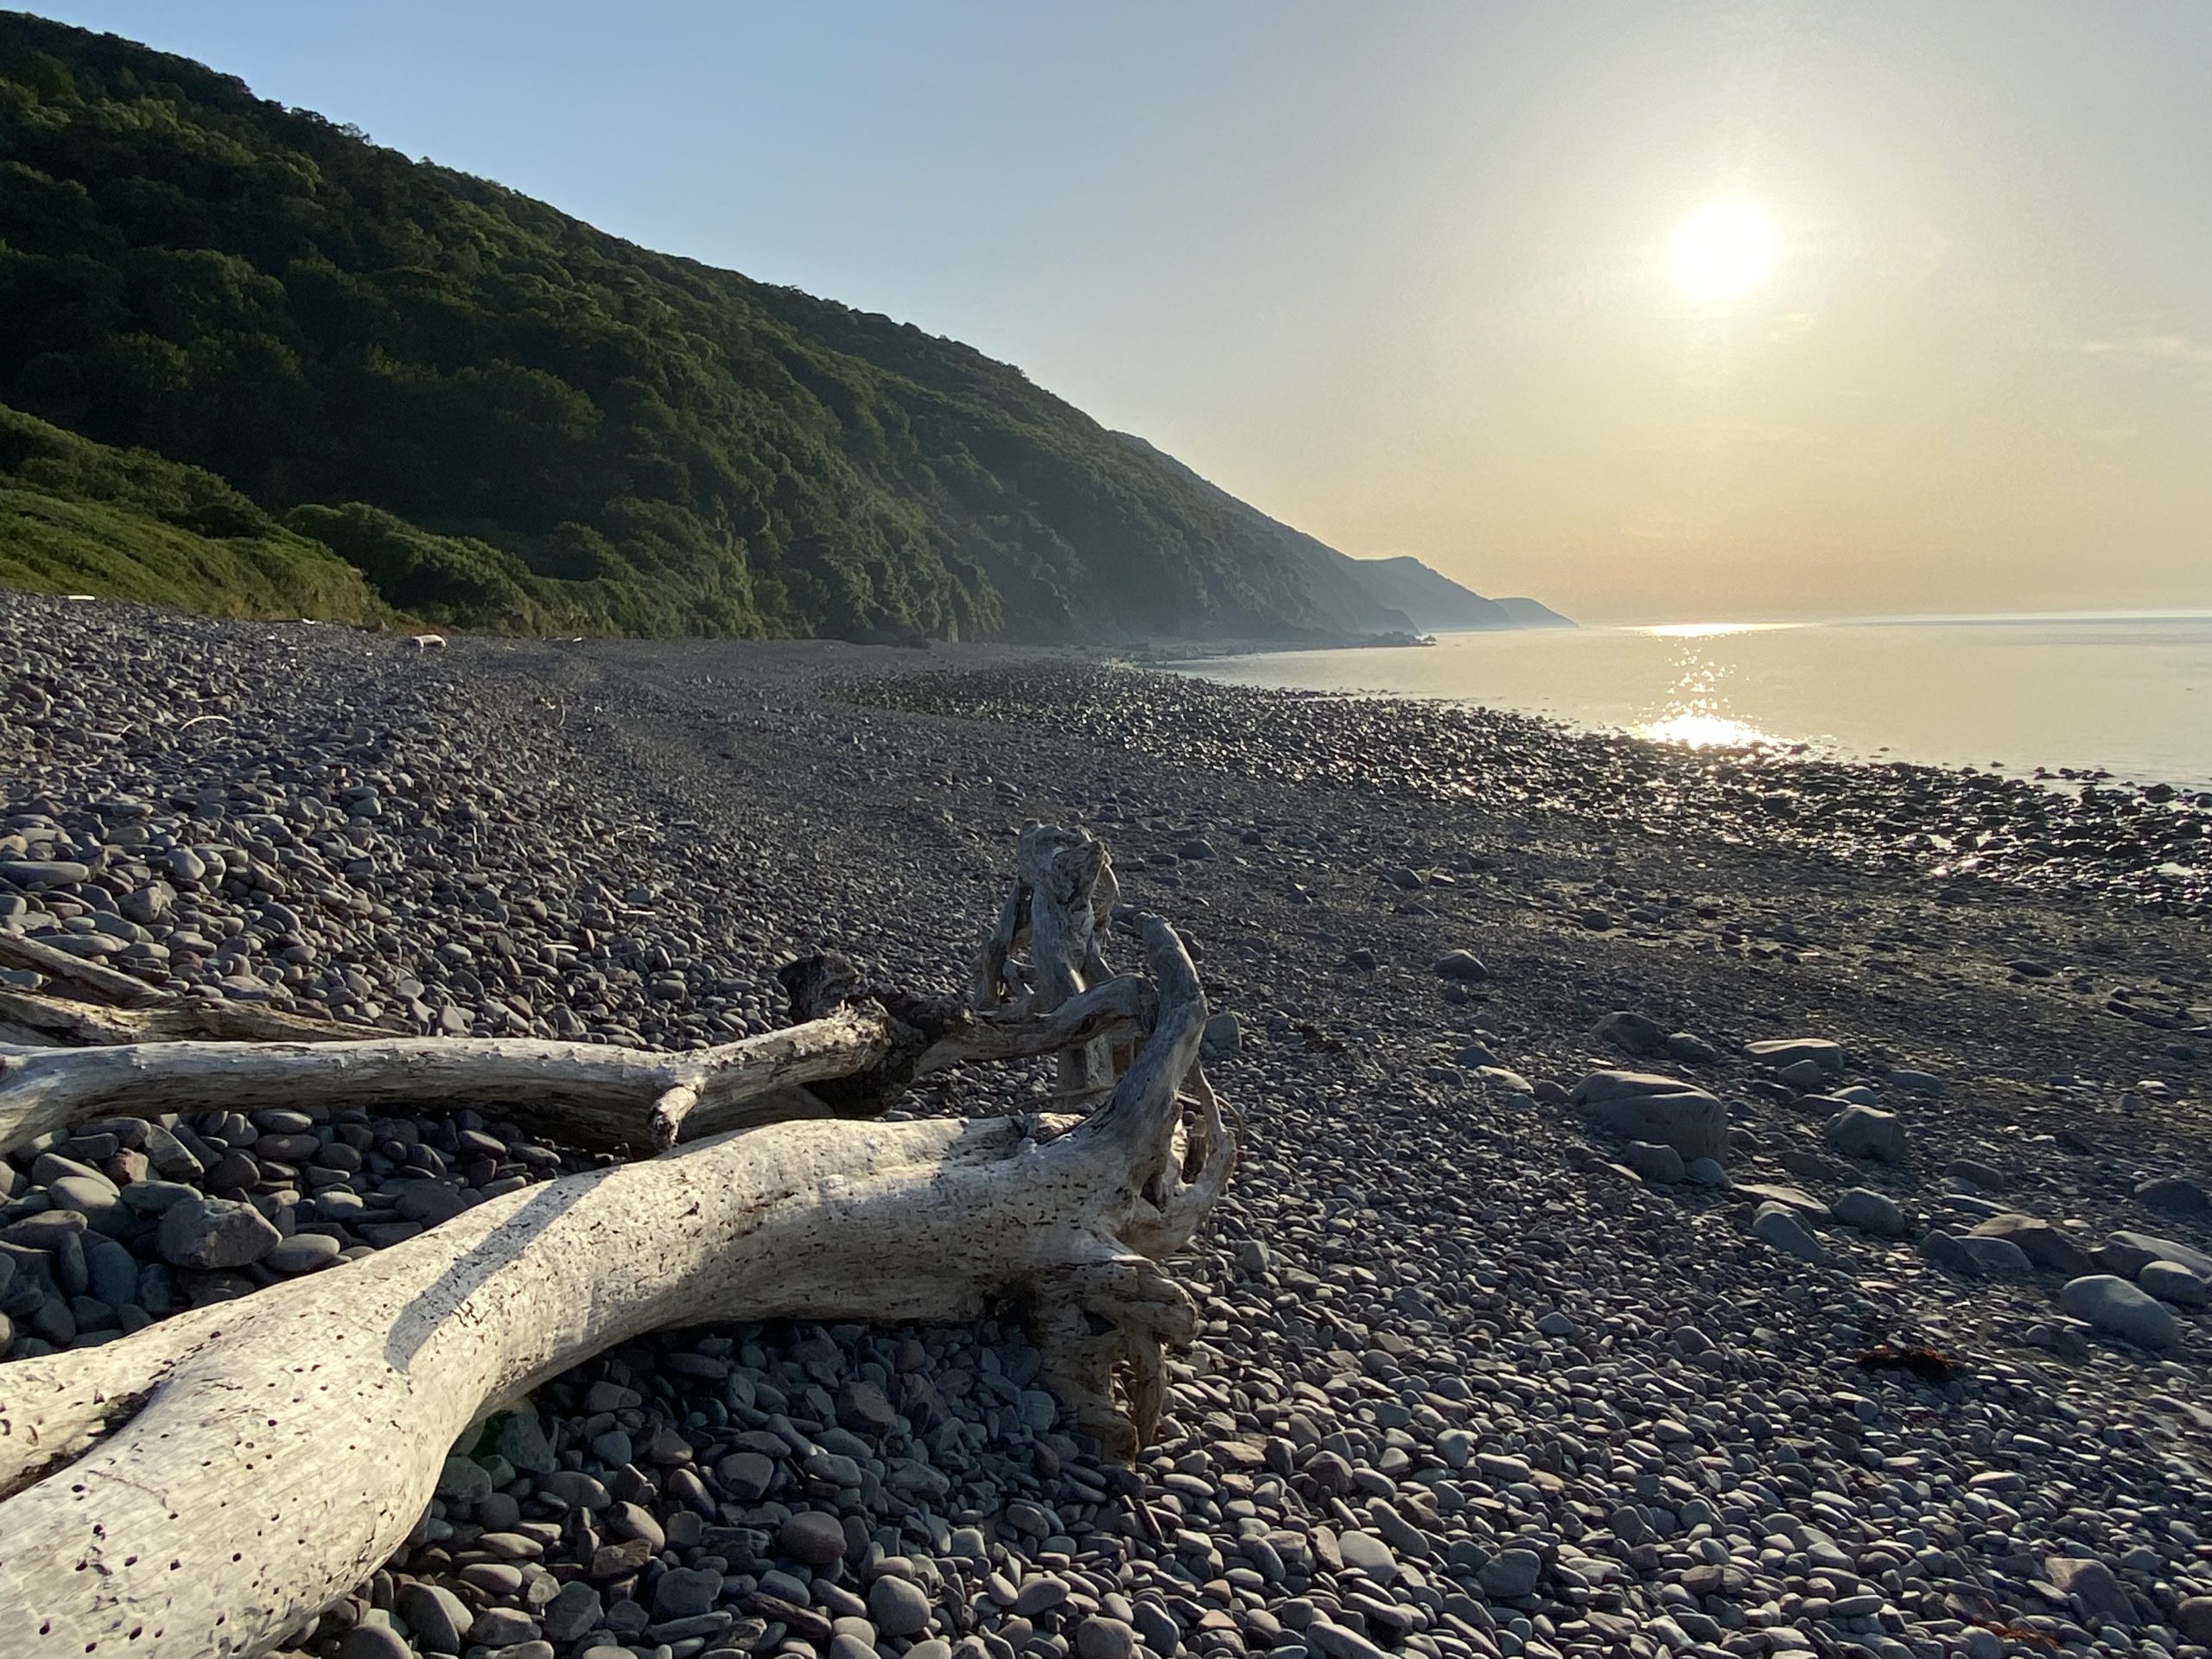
[[2131, 695]]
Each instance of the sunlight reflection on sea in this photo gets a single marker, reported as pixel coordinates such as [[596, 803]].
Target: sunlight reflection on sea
[[2127, 693], [1696, 712]]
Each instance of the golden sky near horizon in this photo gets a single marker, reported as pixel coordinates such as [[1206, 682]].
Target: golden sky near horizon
[[1401, 275], [1978, 376]]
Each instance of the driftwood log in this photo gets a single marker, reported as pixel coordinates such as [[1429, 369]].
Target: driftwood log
[[592, 1094], [44, 1019], [210, 1484]]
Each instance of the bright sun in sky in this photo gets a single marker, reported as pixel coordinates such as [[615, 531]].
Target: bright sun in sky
[[1722, 251]]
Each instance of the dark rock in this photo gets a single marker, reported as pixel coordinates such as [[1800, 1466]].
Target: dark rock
[[1871, 1212], [614, 1560], [2048, 1247], [1691, 1049], [1636, 1106], [898, 1607], [2118, 1309], [215, 1233], [1511, 1574], [2176, 1195], [572, 1611], [1782, 1053], [1867, 1132], [374, 1642], [2128, 1253], [39, 874], [438, 1618], [1632, 1033], [686, 1593], [815, 1537], [303, 1253], [2092, 1585]]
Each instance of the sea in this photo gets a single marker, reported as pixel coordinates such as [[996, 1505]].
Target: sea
[[2126, 695]]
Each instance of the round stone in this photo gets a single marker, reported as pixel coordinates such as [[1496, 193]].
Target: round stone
[[814, 1536], [303, 1253], [898, 1607], [1105, 1638], [2118, 1309]]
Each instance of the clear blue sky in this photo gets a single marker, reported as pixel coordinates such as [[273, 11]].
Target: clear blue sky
[[1399, 273]]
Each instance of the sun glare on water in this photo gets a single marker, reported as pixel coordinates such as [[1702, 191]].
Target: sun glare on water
[[1702, 731], [1722, 251], [1696, 712]]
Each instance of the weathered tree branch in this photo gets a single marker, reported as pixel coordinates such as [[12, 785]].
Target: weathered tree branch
[[18, 951], [594, 1095], [34, 1019], [211, 1483]]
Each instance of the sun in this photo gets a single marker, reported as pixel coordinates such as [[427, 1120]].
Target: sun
[[1722, 251]]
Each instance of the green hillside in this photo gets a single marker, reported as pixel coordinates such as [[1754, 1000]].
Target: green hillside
[[505, 418], [78, 517]]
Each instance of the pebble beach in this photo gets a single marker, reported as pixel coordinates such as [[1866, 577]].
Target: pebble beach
[[1690, 1203]]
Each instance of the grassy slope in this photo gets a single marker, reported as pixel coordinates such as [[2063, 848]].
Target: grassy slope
[[78, 517]]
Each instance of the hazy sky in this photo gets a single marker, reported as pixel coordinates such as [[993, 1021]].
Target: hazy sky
[[1398, 273]]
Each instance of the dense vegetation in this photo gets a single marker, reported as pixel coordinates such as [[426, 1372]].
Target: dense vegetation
[[502, 417], [77, 516]]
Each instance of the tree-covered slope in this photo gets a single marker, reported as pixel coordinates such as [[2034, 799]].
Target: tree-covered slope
[[506, 418]]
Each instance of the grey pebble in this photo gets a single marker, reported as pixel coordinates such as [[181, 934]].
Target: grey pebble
[[898, 1607]]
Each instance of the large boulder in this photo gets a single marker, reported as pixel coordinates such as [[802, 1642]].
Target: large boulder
[[2049, 1247], [438, 1618], [1871, 1212], [2176, 1195], [1791, 1198], [2095, 1586], [1778, 1224], [37, 874], [1782, 1053], [1978, 1258], [2170, 1281], [2118, 1309], [2128, 1254], [1867, 1132], [1224, 1037], [1691, 1049], [1642, 1106], [2193, 1618], [1609, 1084], [1654, 1161]]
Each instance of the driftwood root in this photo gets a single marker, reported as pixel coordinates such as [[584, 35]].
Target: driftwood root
[[210, 1484]]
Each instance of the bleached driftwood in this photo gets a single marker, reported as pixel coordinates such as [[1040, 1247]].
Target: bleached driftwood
[[1063, 891], [40, 1020], [93, 978], [591, 1094], [210, 1484]]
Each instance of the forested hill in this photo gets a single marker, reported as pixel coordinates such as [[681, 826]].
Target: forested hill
[[505, 418]]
